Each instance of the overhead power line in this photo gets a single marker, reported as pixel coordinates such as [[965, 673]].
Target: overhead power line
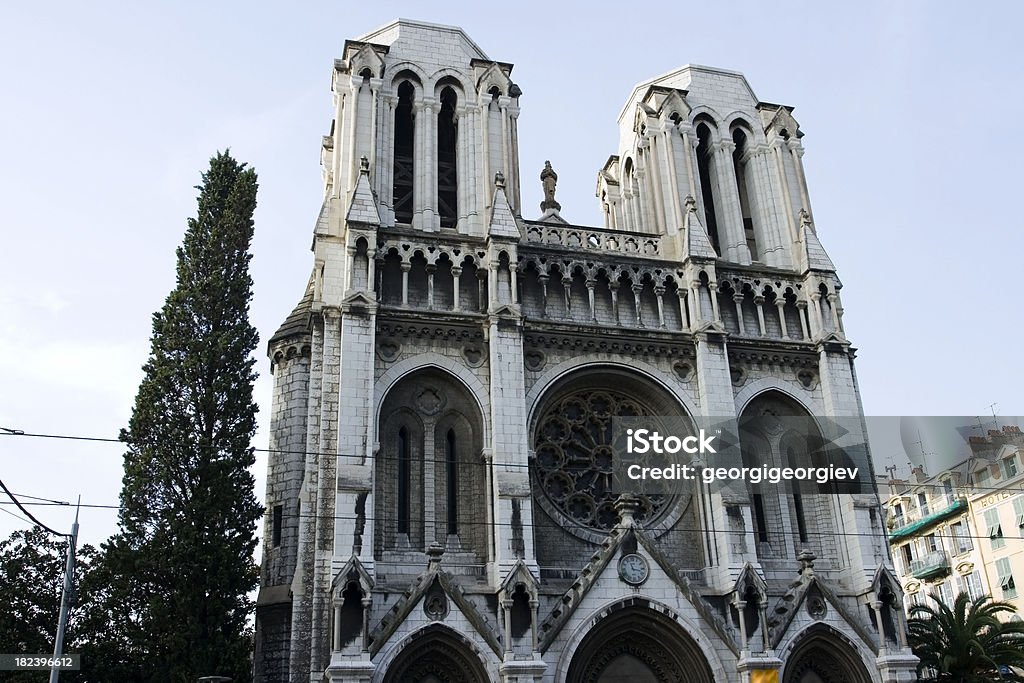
[[533, 525], [281, 451], [27, 513]]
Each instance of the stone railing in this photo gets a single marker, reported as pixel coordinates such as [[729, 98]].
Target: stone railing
[[594, 239]]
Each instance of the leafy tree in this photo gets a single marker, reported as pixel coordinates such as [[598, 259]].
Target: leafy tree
[[31, 580], [967, 643], [182, 562]]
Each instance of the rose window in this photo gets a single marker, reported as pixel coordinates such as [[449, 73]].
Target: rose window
[[574, 457]]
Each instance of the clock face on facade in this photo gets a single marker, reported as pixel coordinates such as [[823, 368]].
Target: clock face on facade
[[633, 569]]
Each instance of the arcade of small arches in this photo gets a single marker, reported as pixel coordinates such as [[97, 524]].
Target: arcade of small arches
[[456, 279]]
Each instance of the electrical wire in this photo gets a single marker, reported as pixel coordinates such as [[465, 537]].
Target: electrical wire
[[533, 525], [279, 451], [16, 516], [26, 512]]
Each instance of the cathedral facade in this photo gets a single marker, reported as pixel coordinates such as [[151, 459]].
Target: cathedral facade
[[439, 497]]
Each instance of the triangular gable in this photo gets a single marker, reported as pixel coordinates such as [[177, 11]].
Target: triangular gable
[[353, 570], [519, 574], [396, 618], [597, 567], [361, 55], [697, 243], [703, 607], [503, 223], [559, 616], [816, 257], [363, 208], [788, 606], [749, 578], [493, 76]]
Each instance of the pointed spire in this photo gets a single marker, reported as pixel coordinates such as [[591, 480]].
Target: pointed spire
[[697, 243], [363, 208], [503, 223], [815, 254]]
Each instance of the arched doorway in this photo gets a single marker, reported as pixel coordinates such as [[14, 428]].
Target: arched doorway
[[824, 656], [436, 655], [636, 643]]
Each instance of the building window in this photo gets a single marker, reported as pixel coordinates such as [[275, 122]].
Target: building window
[[705, 170], [276, 527], [981, 476], [971, 584], [447, 173], [945, 593], [402, 186], [961, 537], [1005, 578], [739, 165], [897, 516], [801, 521], [1018, 511], [1010, 467], [930, 543], [404, 482], [995, 529], [452, 480], [759, 520], [922, 504], [947, 488], [908, 555]]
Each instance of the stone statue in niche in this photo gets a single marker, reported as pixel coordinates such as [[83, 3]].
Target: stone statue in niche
[[549, 179]]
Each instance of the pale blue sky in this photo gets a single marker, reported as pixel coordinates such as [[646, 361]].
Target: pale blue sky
[[110, 111]]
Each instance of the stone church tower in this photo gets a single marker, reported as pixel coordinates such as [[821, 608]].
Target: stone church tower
[[439, 505]]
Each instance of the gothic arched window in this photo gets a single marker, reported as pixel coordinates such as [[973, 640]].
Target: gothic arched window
[[739, 165], [447, 171], [402, 186], [705, 170]]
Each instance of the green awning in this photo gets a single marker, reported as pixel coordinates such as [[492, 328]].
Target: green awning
[[934, 518]]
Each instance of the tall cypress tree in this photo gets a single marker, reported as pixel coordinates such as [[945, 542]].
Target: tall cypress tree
[[183, 556]]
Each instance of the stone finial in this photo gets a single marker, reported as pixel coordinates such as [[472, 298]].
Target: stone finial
[[805, 218], [806, 559], [691, 203], [499, 180], [364, 165], [434, 553], [549, 179], [627, 505]]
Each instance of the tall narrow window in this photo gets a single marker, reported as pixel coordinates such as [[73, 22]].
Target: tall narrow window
[[451, 465], [447, 173], [402, 189], [278, 522], [704, 169], [404, 481], [801, 521], [739, 165], [759, 520]]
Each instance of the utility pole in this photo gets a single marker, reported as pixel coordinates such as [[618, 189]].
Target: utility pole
[[65, 600]]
